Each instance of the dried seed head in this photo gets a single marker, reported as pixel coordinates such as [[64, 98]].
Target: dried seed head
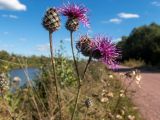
[[72, 24], [4, 83], [88, 103], [84, 45], [51, 20]]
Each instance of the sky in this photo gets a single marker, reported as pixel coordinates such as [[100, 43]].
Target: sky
[[21, 31]]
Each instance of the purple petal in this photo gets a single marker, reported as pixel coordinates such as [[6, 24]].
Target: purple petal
[[108, 50], [75, 11]]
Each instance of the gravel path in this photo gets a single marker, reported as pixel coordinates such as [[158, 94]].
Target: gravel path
[[147, 98]]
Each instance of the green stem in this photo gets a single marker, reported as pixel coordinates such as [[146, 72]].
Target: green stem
[[79, 79], [77, 71], [86, 67], [55, 77]]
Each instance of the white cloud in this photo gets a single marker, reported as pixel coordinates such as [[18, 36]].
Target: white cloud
[[22, 39], [13, 16], [117, 39], [42, 47], [67, 39], [5, 33], [10, 16], [115, 20], [90, 31], [12, 5], [128, 15], [6, 46], [156, 3]]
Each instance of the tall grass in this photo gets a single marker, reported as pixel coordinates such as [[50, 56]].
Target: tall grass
[[38, 101], [134, 63]]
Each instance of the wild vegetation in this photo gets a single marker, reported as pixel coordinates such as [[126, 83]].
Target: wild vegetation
[[100, 87], [66, 89], [142, 44]]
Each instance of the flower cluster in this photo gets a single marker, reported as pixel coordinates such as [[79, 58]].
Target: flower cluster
[[100, 48]]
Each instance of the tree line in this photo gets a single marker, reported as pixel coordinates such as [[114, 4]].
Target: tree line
[[143, 43], [15, 61]]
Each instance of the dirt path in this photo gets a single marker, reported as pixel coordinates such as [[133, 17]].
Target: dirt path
[[148, 97]]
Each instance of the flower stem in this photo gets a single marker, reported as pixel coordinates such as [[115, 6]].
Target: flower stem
[[85, 117], [79, 79], [55, 77], [77, 71], [86, 67]]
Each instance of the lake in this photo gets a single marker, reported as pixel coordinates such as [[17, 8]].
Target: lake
[[32, 73]]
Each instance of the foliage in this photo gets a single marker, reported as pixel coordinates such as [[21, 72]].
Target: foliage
[[12, 61], [134, 63], [23, 102], [143, 43], [64, 68]]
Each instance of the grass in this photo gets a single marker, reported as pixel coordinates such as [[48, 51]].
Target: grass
[[98, 86], [134, 63]]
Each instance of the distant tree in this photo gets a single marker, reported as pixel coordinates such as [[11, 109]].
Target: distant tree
[[4, 55], [142, 43]]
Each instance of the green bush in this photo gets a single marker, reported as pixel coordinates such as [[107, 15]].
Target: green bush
[[143, 43]]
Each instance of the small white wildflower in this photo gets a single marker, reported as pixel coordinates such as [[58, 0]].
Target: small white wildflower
[[122, 75], [131, 117], [104, 91], [16, 79], [104, 99], [110, 76], [110, 94], [121, 91], [119, 117], [122, 95], [133, 72], [122, 112], [138, 79]]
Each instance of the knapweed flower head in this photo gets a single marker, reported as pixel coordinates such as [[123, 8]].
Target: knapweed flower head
[[84, 45], [51, 20], [88, 102], [75, 13], [4, 82], [105, 51]]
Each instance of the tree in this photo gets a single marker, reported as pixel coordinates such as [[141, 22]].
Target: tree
[[142, 43]]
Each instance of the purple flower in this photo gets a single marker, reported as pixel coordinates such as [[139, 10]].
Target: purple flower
[[76, 12], [105, 51]]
